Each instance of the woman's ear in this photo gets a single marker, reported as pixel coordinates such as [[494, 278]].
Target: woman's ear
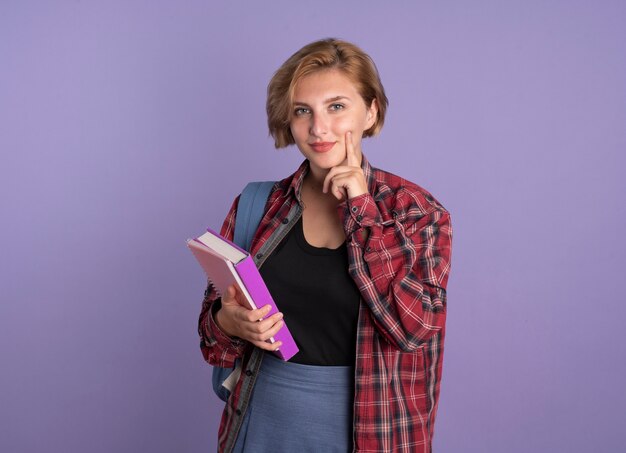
[[372, 115]]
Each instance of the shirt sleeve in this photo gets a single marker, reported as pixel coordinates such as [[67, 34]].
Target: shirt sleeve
[[218, 348], [400, 261]]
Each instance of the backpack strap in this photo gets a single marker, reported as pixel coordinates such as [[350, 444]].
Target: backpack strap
[[250, 210]]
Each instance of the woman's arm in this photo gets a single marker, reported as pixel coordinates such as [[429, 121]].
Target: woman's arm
[[400, 264], [217, 347], [226, 325]]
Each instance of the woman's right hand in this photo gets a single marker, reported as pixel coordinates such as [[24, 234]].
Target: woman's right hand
[[236, 320]]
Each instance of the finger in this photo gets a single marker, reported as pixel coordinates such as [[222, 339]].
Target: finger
[[266, 324], [267, 334], [339, 192], [342, 183], [267, 346], [241, 299], [255, 315], [352, 182], [230, 296], [352, 158], [332, 173], [275, 328]]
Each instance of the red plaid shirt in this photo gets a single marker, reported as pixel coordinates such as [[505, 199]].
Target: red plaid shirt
[[399, 242]]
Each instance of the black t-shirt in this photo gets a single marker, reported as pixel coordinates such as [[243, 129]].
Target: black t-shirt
[[320, 301]]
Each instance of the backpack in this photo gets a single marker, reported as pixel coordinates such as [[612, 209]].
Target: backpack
[[250, 210]]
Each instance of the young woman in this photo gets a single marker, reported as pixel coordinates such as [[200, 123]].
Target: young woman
[[357, 260]]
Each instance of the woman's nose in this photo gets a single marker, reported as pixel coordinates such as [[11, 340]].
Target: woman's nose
[[319, 125]]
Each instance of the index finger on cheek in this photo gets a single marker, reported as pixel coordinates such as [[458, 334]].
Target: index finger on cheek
[[352, 159]]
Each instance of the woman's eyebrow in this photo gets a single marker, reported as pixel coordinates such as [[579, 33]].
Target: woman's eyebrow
[[327, 101], [336, 98]]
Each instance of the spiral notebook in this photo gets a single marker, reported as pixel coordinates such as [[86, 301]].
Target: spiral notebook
[[225, 264]]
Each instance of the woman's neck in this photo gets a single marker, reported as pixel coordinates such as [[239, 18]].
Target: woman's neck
[[312, 187]]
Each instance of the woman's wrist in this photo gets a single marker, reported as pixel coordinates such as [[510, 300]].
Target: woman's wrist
[[219, 322]]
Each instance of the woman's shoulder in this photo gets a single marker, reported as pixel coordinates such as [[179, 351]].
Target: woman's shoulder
[[402, 193]]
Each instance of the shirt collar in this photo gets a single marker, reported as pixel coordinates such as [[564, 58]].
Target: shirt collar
[[296, 181], [370, 178]]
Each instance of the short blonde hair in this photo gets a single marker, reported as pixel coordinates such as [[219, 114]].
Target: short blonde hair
[[324, 54]]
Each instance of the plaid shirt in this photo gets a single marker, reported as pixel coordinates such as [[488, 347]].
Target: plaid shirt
[[399, 242]]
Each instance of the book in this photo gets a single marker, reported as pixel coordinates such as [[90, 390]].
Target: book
[[226, 264]]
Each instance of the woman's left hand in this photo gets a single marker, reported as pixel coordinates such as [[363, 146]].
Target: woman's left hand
[[347, 180]]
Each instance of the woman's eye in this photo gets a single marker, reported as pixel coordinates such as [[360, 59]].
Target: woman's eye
[[300, 111], [336, 107]]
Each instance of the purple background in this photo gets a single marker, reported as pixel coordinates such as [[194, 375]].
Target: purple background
[[127, 127]]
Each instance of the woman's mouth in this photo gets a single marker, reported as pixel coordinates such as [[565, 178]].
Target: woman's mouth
[[321, 147]]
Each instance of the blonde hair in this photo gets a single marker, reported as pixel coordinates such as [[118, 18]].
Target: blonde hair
[[324, 54]]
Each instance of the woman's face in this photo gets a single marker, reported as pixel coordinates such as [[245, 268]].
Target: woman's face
[[326, 106]]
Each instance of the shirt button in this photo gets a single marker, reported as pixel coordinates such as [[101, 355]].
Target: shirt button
[[285, 221], [238, 411], [259, 256], [248, 373], [354, 209], [369, 249], [359, 218]]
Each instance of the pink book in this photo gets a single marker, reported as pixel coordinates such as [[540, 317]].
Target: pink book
[[226, 264]]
